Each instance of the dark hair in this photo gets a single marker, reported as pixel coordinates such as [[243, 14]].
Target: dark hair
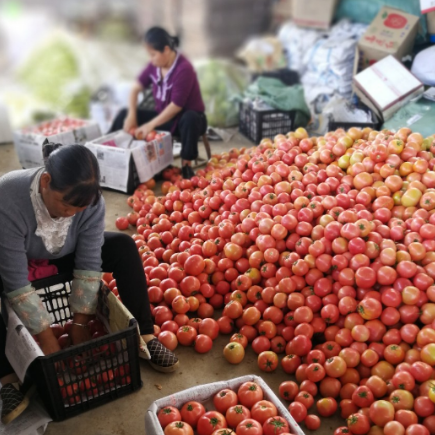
[[159, 38], [73, 170]]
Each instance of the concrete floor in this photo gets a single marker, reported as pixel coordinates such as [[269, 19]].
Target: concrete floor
[[126, 415]]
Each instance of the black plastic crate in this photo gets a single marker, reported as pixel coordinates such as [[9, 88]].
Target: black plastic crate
[[259, 124], [334, 125], [88, 375]]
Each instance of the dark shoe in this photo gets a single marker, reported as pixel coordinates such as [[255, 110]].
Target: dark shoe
[[162, 359], [191, 172], [14, 403], [184, 172], [187, 172]]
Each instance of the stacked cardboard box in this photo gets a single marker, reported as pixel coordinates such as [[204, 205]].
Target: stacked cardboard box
[[210, 27], [314, 13]]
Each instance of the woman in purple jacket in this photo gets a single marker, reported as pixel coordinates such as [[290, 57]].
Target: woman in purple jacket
[[175, 87]]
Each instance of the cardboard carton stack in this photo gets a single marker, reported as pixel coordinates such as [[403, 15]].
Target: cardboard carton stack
[[210, 27]]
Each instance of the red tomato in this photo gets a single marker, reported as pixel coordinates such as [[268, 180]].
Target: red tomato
[[290, 363], [326, 406], [268, 361], [263, 410], [288, 390], [363, 397], [178, 428], [224, 400], [122, 223], [191, 412], [168, 415], [305, 398], [381, 412], [209, 422], [236, 414], [298, 411], [358, 424], [275, 426], [249, 393], [186, 335], [203, 343], [168, 339], [312, 422], [209, 327], [249, 427], [417, 429]]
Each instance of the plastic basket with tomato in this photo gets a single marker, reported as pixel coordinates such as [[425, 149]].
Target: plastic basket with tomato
[[84, 376], [258, 124], [204, 394]]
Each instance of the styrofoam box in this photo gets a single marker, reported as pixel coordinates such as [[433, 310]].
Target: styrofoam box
[[205, 393], [28, 146]]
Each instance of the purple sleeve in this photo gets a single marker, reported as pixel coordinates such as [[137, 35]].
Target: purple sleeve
[[145, 76], [183, 85]]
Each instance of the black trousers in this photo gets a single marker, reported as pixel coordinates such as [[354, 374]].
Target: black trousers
[[190, 127], [119, 255]]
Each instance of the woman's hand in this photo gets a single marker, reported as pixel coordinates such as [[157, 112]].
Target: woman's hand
[[143, 131], [48, 342], [80, 334], [130, 122]]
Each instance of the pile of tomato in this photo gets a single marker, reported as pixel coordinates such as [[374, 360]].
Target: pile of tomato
[[56, 126], [242, 413], [319, 249]]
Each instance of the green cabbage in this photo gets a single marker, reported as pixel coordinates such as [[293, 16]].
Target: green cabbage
[[52, 75], [220, 81]]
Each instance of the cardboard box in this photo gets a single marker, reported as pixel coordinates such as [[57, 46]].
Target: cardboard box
[[125, 162], [28, 145], [282, 11], [386, 86], [431, 22], [314, 13], [392, 32], [205, 393]]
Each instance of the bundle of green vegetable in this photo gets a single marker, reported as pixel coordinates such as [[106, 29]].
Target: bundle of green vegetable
[[220, 81]]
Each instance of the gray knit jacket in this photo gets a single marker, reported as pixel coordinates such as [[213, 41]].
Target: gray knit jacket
[[18, 242]]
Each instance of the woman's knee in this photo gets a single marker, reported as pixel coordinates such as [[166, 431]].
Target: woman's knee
[[120, 244], [190, 118]]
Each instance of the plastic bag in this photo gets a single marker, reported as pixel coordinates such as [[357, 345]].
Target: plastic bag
[[342, 110], [263, 54], [365, 11], [329, 65], [220, 81], [424, 66], [418, 116], [296, 42], [275, 94]]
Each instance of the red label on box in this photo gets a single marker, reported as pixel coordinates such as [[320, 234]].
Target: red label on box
[[395, 21]]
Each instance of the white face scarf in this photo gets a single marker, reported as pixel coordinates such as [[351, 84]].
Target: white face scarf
[[53, 232]]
